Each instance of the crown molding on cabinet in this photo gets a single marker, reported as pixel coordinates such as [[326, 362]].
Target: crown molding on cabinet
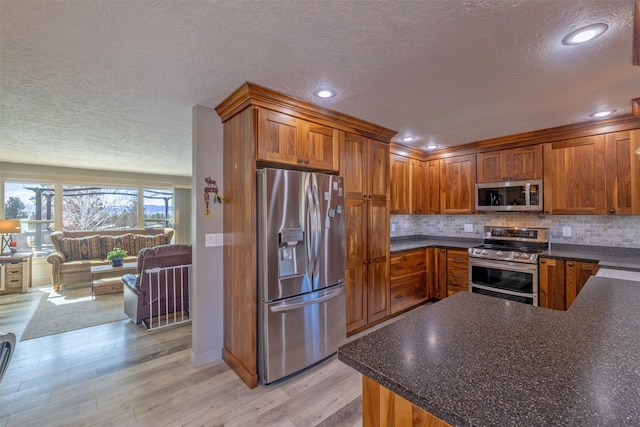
[[577, 130], [253, 94]]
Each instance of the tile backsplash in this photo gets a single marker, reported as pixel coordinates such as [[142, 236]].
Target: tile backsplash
[[596, 230]]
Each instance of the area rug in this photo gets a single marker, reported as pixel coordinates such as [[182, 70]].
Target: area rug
[[71, 309]]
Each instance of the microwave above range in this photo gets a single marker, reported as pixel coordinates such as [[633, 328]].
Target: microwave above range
[[523, 195]]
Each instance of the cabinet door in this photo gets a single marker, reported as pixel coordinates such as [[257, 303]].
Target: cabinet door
[[399, 183], [490, 167], [319, 147], [432, 202], [378, 278], [574, 179], [355, 230], [457, 184], [278, 137], [417, 186], [440, 291], [623, 173], [577, 275], [551, 292], [457, 271], [524, 162], [353, 163], [378, 170]]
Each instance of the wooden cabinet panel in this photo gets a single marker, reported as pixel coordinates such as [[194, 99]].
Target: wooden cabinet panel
[[560, 281], [365, 168], [623, 173], [509, 165], [319, 150], [408, 279], [417, 187], [278, 137], [457, 184], [574, 179], [490, 167], [551, 292], [353, 152], [288, 140], [399, 184], [577, 274], [432, 201], [378, 170], [524, 162], [355, 230], [457, 271], [440, 291], [432, 272]]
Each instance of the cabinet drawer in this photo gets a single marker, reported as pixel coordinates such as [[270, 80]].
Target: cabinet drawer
[[457, 259], [408, 291], [458, 277], [408, 263], [13, 283]]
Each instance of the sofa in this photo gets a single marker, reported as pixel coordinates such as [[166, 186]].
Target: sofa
[[75, 252], [161, 284]]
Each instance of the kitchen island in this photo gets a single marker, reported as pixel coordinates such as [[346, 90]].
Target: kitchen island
[[476, 360]]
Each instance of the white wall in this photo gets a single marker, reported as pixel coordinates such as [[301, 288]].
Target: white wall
[[207, 338]]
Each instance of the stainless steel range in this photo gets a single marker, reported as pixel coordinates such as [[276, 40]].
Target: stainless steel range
[[506, 265]]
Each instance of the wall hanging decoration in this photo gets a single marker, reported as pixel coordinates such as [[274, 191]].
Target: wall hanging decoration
[[211, 187]]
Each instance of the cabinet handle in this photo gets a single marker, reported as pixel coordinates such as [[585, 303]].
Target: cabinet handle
[[612, 211], [457, 259], [547, 212], [542, 261], [306, 162], [570, 264], [504, 178], [510, 177], [457, 277], [300, 160]]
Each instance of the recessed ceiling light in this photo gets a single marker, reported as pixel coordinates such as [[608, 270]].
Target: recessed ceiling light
[[603, 113], [432, 146], [407, 138], [325, 92], [585, 34]]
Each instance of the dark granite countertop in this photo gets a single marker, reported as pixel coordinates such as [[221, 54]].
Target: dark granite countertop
[[473, 360], [607, 257]]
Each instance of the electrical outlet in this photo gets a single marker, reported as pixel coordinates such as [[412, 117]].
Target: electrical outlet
[[566, 231], [213, 239], [393, 227], [468, 228]]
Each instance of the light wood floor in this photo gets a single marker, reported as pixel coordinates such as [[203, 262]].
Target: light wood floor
[[119, 374]]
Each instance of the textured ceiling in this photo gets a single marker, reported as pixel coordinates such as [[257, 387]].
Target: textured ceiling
[[84, 82]]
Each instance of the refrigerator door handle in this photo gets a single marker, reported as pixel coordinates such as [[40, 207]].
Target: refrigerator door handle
[[296, 305], [316, 229], [309, 212]]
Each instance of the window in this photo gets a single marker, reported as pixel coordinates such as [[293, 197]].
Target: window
[[33, 205], [158, 208], [99, 208]]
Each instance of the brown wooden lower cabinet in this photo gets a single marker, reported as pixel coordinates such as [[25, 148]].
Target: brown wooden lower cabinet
[[562, 280], [408, 279], [453, 272], [383, 408]]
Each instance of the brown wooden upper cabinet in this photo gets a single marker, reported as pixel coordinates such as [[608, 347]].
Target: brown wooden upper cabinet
[[510, 165], [595, 175], [399, 184], [424, 186], [288, 140], [457, 184]]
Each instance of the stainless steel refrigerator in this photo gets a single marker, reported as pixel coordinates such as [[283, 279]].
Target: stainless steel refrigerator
[[301, 267]]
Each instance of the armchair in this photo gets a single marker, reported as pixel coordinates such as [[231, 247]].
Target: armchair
[[141, 291]]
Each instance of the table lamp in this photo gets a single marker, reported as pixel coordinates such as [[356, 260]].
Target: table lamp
[[7, 227]]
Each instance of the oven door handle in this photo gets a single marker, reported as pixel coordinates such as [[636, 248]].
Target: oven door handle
[[504, 265]]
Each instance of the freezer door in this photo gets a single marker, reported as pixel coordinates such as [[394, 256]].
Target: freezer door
[[329, 257], [282, 237], [300, 331]]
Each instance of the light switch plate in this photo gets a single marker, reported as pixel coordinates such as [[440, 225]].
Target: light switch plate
[[468, 228], [566, 231], [213, 239]]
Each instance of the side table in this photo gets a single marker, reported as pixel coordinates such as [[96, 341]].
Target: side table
[[15, 273]]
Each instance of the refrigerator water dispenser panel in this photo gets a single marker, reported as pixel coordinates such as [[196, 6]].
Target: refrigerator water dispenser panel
[[291, 247]]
